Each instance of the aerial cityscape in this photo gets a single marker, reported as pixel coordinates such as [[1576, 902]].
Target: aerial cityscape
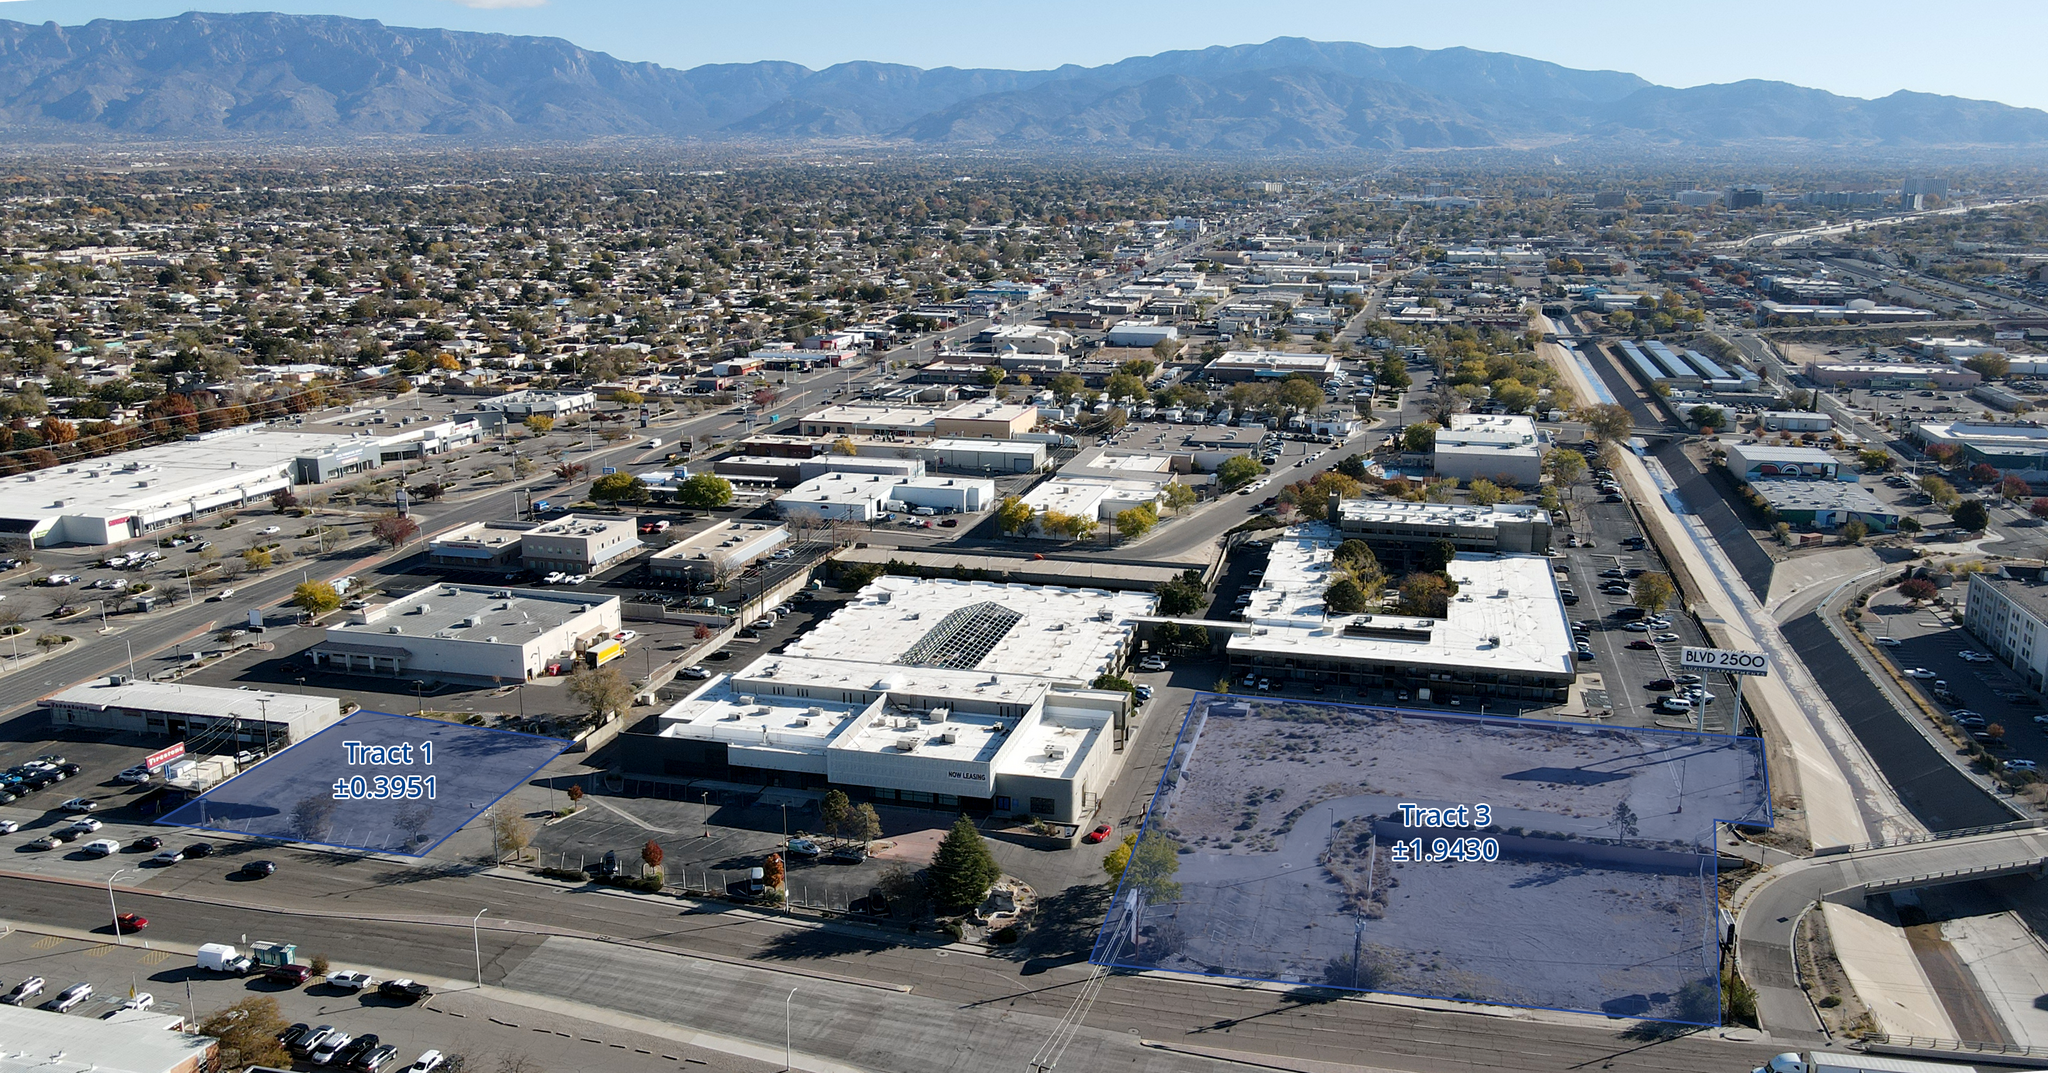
[[1304, 555]]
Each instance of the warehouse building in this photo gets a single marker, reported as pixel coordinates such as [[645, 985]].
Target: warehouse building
[[863, 497], [952, 695], [1825, 504], [468, 633], [2019, 447], [1503, 635], [492, 546], [132, 1041], [1889, 376], [1502, 448], [1756, 461], [1795, 421], [225, 720], [717, 553], [1238, 365], [523, 404], [116, 498]]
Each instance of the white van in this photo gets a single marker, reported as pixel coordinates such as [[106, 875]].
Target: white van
[[923, 512], [652, 444]]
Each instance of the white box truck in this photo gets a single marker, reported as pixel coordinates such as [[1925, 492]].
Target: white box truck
[[220, 957], [1842, 1062]]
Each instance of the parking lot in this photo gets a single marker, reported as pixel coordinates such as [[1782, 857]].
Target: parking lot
[[456, 1021], [1981, 693]]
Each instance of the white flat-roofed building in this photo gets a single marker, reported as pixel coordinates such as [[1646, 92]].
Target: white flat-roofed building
[[578, 544], [719, 552], [524, 404], [225, 720], [492, 545], [1271, 365], [1141, 333], [955, 495], [115, 498], [985, 456], [1503, 634], [1395, 527], [471, 633], [852, 497], [1795, 421], [136, 1041], [864, 419], [987, 419], [1100, 498], [1755, 461], [956, 695], [1492, 446]]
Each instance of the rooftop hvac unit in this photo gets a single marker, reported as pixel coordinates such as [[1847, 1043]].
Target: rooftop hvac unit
[[949, 737], [473, 620], [394, 629], [907, 745], [1055, 752], [491, 640], [803, 721], [996, 728], [816, 711], [746, 700], [423, 609], [937, 715]]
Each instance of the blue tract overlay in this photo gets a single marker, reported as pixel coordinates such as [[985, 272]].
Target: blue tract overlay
[[1514, 862], [374, 781]]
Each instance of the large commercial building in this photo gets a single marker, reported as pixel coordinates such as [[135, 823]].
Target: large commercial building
[[1756, 461], [111, 499], [578, 544], [468, 633], [491, 546], [1825, 504], [2008, 611], [1503, 448], [863, 497], [1399, 531], [717, 553], [2019, 447], [1504, 634], [524, 404], [224, 720], [948, 694], [1890, 375], [1271, 365]]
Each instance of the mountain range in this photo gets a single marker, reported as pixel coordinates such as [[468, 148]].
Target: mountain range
[[315, 78]]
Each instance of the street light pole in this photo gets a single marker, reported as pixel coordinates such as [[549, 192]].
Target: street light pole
[[788, 1045], [113, 911], [477, 944]]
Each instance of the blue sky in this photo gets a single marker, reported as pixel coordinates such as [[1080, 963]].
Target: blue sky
[[1970, 48]]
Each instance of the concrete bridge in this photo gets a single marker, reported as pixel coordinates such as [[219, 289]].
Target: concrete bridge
[[1770, 906]]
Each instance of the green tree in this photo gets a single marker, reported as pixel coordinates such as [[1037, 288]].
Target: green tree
[[1988, 365], [844, 445], [1874, 460], [1125, 386], [1940, 491], [1135, 522], [1607, 421], [1113, 865], [834, 810], [257, 558], [1179, 497], [247, 1033], [539, 424], [1652, 591], [1426, 594], [963, 869], [1565, 466], [1393, 373], [1299, 395], [1854, 530], [315, 598], [621, 488], [1238, 470], [1013, 515], [862, 824], [1707, 417], [1483, 492], [1065, 386], [1971, 515], [704, 491], [1419, 437], [1183, 595], [1153, 862], [1345, 597]]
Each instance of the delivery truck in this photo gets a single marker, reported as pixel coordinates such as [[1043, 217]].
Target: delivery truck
[[223, 958], [1847, 1062]]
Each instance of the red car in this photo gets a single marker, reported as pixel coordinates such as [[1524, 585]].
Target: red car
[[1101, 832], [128, 922], [289, 974], [1639, 643]]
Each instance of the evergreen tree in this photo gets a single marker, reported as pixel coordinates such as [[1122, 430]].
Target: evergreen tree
[[962, 870]]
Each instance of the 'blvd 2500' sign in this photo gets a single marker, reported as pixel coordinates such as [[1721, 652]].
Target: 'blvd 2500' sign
[[1722, 659]]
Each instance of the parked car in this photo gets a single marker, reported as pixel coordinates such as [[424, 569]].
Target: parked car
[[259, 869], [167, 858], [70, 998], [427, 1062], [697, 673], [102, 847], [1152, 663], [146, 844], [85, 825], [1917, 672], [323, 1052], [310, 1039], [24, 991], [804, 847], [404, 990], [376, 1058], [293, 975], [350, 980], [199, 849], [1101, 831]]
